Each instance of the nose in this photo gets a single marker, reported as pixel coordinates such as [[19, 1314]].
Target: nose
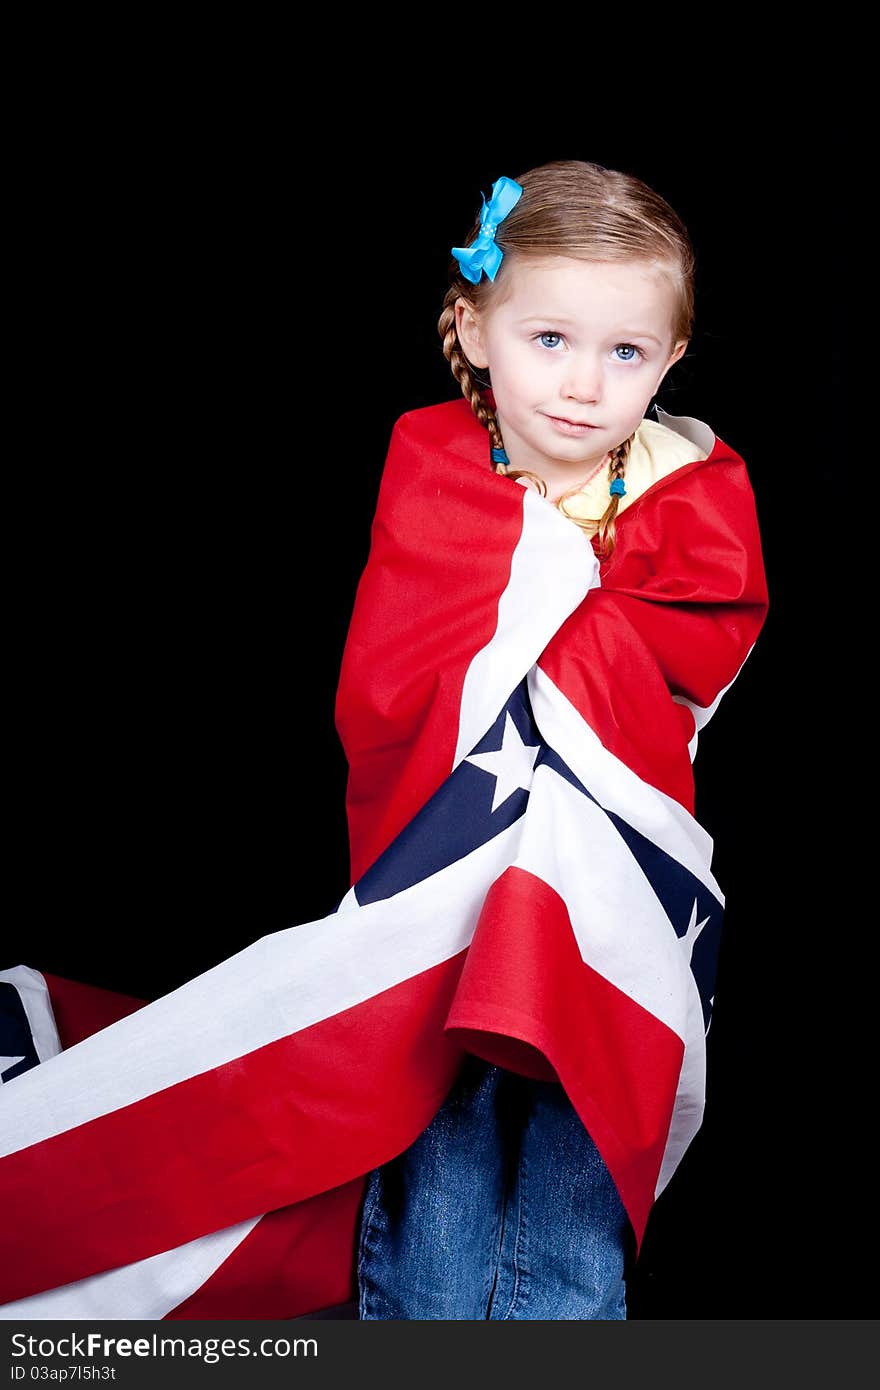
[[583, 380]]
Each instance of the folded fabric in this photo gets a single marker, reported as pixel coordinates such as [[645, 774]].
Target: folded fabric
[[529, 884]]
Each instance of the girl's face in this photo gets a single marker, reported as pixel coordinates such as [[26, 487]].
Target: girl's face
[[583, 341]]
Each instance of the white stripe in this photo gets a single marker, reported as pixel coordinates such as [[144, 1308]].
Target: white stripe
[[690, 1096], [284, 982], [552, 570], [615, 786], [34, 995], [620, 925], [148, 1288]]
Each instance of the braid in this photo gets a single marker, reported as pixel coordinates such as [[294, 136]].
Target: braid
[[463, 372], [603, 526], [607, 525]]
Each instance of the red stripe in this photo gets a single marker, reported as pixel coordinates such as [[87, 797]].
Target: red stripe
[[306, 1113], [631, 644], [600, 661], [295, 1261], [618, 1063]]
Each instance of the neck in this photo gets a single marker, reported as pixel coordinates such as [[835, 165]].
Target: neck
[[554, 492]]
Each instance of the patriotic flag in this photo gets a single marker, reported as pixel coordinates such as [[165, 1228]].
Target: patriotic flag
[[529, 884]]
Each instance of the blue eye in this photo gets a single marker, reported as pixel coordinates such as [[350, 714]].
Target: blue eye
[[548, 333], [634, 348]]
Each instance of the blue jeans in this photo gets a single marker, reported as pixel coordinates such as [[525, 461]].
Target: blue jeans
[[502, 1208]]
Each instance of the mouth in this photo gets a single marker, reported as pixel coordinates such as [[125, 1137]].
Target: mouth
[[572, 424]]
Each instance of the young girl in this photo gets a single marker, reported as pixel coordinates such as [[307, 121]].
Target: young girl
[[574, 296], [459, 1094]]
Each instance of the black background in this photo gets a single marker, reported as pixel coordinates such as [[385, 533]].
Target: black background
[[224, 334]]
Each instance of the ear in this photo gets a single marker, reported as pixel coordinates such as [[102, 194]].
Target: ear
[[678, 351], [467, 325]]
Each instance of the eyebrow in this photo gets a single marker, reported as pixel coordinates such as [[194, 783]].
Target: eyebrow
[[561, 318]]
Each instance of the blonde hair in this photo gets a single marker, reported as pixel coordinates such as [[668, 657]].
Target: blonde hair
[[570, 207]]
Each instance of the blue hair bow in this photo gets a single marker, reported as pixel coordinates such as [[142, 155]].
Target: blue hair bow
[[483, 254]]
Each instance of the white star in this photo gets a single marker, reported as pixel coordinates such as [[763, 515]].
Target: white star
[[511, 765], [7, 1062], [694, 928]]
